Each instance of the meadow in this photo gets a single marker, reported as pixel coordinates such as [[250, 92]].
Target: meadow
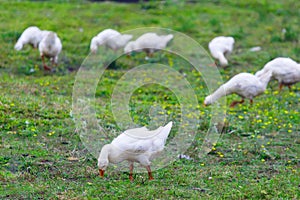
[[257, 155]]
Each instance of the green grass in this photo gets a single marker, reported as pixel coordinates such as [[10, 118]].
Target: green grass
[[42, 156]]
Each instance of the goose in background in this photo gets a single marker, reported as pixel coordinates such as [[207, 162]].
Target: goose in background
[[134, 145], [31, 35], [111, 39], [285, 70], [50, 47], [220, 47], [148, 42], [245, 85]]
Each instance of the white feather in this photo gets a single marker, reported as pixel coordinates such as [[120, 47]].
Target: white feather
[[245, 85], [285, 70], [31, 35], [148, 42], [220, 47], [50, 46], [135, 145], [111, 39]]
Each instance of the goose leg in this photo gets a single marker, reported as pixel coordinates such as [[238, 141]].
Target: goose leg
[[280, 87], [130, 171], [236, 102], [251, 101], [149, 172], [149, 54], [101, 172], [44, 64]]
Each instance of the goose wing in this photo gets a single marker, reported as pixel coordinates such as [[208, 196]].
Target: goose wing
[[141, 140]]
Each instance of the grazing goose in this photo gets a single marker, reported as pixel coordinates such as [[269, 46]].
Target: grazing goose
[[134, 145], [111, 39], [50, 46], [148, 42], [31, 35], [220, 47], [245, 85], [285, 70]]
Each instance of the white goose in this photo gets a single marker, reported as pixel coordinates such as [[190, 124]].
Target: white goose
[[31, 35], [134, 145], [220, 47], [148, 42], [285, 70], [245, 85], [111, 39], [50, 46]]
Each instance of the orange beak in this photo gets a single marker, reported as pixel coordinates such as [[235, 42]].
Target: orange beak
[[101, 172]]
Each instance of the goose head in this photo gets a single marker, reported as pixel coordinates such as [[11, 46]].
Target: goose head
[[103, 159], [94, 45], [222, 59], [129, 47], [102, 165], [208, 100], [18, 46], [223, 62]]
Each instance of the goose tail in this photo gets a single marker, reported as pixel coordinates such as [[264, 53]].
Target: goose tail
[[166, 130], [265, 78], [169, 37], [127, 37]]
